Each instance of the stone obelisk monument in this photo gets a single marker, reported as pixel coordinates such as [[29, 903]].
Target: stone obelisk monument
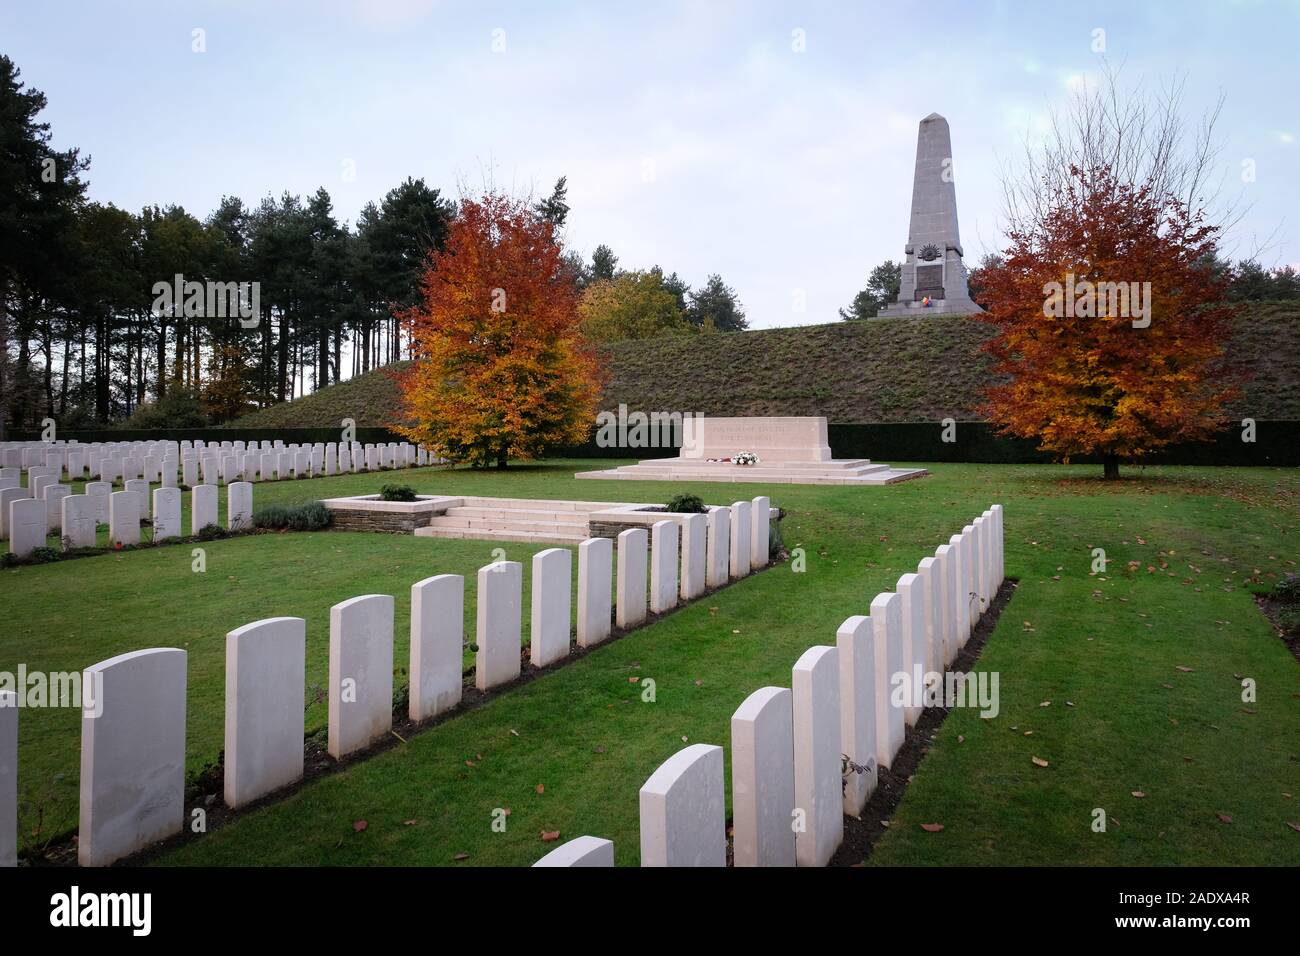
[[934, 276]]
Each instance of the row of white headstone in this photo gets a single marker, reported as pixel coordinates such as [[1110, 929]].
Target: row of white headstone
[[162, 462], [133, 750], [76, 518], [803, 757]]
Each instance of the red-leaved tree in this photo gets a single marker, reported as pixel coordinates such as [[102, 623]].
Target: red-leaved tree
[[500, 367]]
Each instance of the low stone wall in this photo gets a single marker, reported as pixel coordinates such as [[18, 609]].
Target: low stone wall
[[347, 519]]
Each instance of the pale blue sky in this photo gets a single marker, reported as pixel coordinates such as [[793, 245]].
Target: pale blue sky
[[693, 135]]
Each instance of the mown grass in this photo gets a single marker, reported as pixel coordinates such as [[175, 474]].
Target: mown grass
[[586, 737]]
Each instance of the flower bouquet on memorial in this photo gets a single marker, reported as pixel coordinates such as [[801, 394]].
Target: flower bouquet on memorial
[[744, 458]]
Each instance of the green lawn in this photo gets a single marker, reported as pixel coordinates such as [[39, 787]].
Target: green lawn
[[1105, 644]]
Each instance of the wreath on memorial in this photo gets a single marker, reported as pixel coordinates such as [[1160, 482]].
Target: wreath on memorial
[[740, 458]]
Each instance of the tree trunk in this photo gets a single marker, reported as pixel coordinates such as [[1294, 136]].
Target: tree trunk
[[502, 458], [1110, 467]]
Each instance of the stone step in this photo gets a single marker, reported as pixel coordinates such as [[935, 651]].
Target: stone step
[[519, 514], [451, 521], [479, 534], [537, 504]]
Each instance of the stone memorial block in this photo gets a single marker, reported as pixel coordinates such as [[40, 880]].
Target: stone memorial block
[[284, 465], [740, 539], [372, 458], [76, 465], [79, 522], [683, 810], [695, 543], [239, 506], [266, 666], [9, 779], [345, 458], [54, 495], [361, 673], [190, 472], [631, 606], [132, 467], [37, 484], [168, 474], [203, 507], [268, 461], [719, 547], [26, 526], [99, 491], [945, 609], [437, 643], [132, 753], [887, 625], [999, 548], [498, 619], [211, 468], [595, 581], [167, 514], [583, 851], [663, 566], [549, 631], [762, 779], [331, 458], [760, 530], [152, 469], [7, 497], [912, 615], [124, 518], [817, 756], [857, 658]]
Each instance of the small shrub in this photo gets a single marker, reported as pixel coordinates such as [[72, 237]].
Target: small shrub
[[397, 493], [44, 555], [1288, 617], [1287, 590], [310, 516], [211, 532], [686, 504]]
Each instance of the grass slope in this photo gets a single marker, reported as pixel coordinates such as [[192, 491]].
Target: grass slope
[[888, 370], [1186, 546]]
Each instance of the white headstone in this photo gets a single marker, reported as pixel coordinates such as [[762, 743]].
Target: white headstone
[[930, 657], [266, 665], [132, 753], [239, 506], [124, 518], [78, 522], [663, 566], [498, 617], [8, 495], [203, 507], [54, 495], [361, 672], [548, 635], [9, 779], [99, 491], [945, 604], [595, 580], [695, 541], [817, 756], [683, 810], [762, 779], [760, 531], [912, 616], [740, 539], [437, 644], [582, 851], [631, 606], [167, 514], [719, 547], [190, 472], [887, 624], [857, 657], [960, 592]]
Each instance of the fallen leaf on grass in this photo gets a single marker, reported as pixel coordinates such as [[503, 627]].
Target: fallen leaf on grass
[[1046, 703], [359, 825], [541, 788], [550, 836], [1138, 793], [1039, 761], [932, 827], [961, 738], [409, 823], [634, 680], [461, 856], [1185, 670], [1294, 826], [1224, 817]]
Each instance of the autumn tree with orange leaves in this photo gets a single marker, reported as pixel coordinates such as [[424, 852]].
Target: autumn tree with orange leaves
[[500, 368], [1111, 323]]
